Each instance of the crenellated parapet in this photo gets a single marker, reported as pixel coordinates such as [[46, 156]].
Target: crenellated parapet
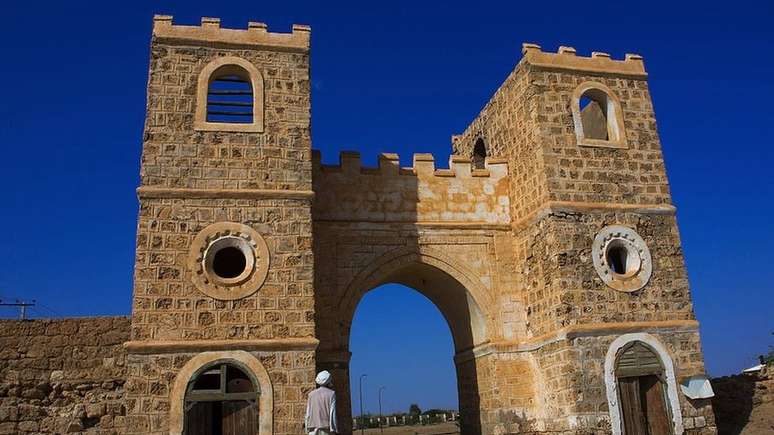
[[420, 193], [209, 31], [567, 58]]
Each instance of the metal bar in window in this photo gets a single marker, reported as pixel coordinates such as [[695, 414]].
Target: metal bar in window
[[222, 378], [224, 113], [229, 103], [228, 92]]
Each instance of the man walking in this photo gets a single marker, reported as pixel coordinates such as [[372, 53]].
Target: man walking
[[321, 407]]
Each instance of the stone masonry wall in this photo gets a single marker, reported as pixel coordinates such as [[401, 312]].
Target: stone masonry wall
[[151, 377], [585, 376], [63, 376], [176, 155], [563, 288], [167, 305], [421, 193]]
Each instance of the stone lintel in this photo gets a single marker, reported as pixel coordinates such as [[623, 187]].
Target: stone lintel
[[186, 193], [210, 32], [279, 344], [599, 62]]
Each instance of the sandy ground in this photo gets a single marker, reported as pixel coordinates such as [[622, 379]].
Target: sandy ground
[[434, 429], [761, 420]]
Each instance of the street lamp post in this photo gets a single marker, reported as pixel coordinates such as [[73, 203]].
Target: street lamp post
[[381, 429], [362, 419]]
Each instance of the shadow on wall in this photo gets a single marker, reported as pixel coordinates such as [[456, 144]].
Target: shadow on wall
[[736, 398]]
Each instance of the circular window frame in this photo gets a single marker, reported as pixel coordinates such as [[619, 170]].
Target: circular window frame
[[639, 262], [209, 241]]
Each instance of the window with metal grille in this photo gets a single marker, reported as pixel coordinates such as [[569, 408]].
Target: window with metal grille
[[230, 96]]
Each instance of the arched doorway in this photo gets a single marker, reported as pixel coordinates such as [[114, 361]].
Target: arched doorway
[[233, 376], [641, 387], [222, 399], [450, 288]]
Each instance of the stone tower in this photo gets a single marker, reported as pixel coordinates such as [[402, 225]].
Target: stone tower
[[597, 253], [224, 264]]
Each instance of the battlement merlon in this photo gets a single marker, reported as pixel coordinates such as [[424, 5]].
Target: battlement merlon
[[210, 32], [423, 165], [567, 59]]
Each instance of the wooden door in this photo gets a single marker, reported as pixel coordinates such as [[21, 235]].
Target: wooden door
[[240, 417], [198, 419], [652, 396], [631, 406]]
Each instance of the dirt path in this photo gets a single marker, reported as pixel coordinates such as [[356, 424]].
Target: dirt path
[[434, 429]]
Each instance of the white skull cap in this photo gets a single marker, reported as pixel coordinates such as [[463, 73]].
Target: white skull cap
[[323, 378]]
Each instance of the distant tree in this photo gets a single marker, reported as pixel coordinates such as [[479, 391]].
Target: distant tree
[[768, 359], [414, 410]]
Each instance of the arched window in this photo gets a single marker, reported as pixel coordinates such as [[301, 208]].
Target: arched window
[[229, 96], [479, 154], [221, 399], [642, 393], [597, 116]]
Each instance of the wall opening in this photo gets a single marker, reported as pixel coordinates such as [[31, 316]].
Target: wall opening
[[593, 107], [597, 116], [479, 154], [221, 399], [230, 96], [229, 262], [460, 312], [642, 391], [402, 342]]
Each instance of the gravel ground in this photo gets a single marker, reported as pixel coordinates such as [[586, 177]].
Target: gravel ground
[[434, 429]]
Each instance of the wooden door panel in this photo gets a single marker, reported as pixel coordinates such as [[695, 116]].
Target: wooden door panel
[[198, 419], [631, 408], [240, 418], [655, 406]]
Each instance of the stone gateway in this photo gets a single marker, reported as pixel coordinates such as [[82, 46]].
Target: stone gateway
[[549, 244]]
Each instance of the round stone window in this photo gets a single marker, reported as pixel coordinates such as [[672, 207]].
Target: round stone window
[[229, 260], [621, 258]]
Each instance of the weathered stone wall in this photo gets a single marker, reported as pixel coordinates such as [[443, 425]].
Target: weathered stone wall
[[569, 291], [151, 379], [63, 376], [421, 193], [177, 155], [744, 404], [586, 383], [455, 266], [167, 305]]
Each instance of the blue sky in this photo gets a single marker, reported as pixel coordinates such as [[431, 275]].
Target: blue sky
[[387, 76]]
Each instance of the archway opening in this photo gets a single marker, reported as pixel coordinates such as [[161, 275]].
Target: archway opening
[[403, 345], [442, 296]]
